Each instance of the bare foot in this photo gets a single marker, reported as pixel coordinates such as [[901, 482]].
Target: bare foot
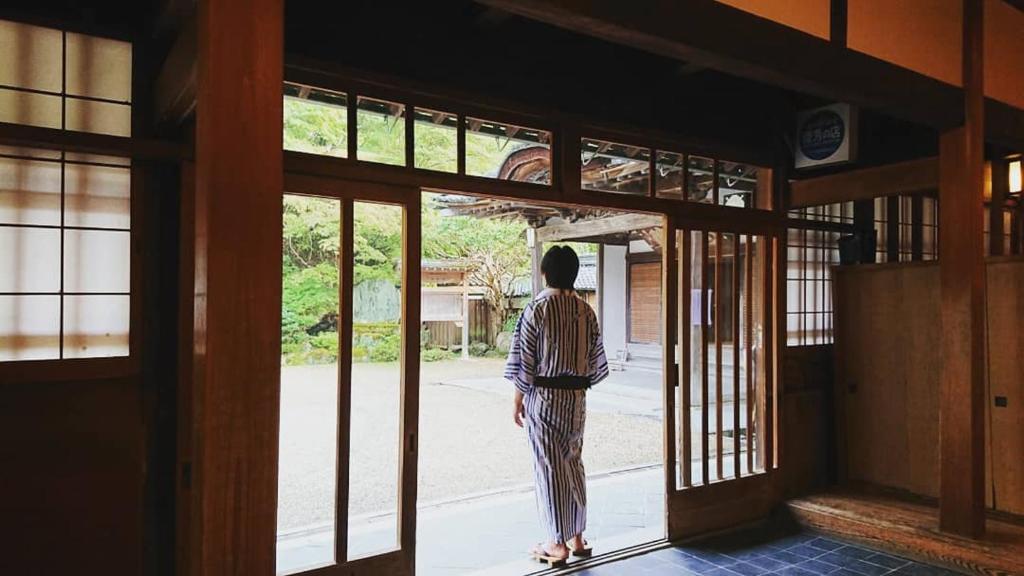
[[579, 546], [552, 553]]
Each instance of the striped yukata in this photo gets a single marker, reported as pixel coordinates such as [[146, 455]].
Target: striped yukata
[[557, 335]]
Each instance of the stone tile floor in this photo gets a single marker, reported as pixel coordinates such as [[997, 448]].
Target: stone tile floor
[[767, 551]]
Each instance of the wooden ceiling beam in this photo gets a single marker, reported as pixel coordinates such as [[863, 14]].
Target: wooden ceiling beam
[[175, 89], [704, 32], [901, 178], [600, 227]]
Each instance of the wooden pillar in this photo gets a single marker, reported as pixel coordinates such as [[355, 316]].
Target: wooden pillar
[[864, 222], [237, 349], [962, 272], [1000, 190], [465, 315], [536, 255], [838, 22]]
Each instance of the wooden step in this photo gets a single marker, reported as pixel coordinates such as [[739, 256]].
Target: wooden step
[[910, 528]]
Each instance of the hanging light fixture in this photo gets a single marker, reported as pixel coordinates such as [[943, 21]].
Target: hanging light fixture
[[1016, 176]]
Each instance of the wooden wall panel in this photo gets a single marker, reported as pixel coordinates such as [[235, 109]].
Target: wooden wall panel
[[916, 341], [887, 376], [71, 488], [1005, 320], [922, 35], [806, 435], [1004, 52], [810, 16]]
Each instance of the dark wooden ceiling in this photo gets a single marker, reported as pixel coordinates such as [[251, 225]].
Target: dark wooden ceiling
[[480, 50]]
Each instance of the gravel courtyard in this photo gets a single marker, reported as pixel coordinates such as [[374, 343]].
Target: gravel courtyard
[[468, 443]]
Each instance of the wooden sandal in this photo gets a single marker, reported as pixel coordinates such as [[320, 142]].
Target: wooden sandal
[[585, 552], [540, 554]]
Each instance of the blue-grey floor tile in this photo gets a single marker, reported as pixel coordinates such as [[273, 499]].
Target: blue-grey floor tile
[[844, 572], [837, 558], [795, 571], [867, 568], [767, 563], [747, 569], [720, 572], [745, 555], [716, 558], [806, 551], [887, 560], [693, 564], [787, 557], [818, 567], [825, 544], [856, 552]]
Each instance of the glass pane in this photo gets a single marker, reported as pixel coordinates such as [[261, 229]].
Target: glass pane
[[381, 131], [29, 192], [376, 380], [315, 121], [97, 196], [29, 259], [669, 179], [700, 181], [760, 251], [436, 140], [307, 469], [611, 167], [30, 108], [733, 393], [736, 184], [98, 117], [30, 56], [700, 319], [96, 261], [506, 152], [29, 327], [96, 326], [99, 67]]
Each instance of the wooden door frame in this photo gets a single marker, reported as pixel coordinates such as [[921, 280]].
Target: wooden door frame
[[402, 560], [721, 504]]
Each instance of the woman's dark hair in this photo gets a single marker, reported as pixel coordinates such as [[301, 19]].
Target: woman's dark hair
[[560, 267]]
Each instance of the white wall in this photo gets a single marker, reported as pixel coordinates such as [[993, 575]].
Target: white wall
[[613, 324]]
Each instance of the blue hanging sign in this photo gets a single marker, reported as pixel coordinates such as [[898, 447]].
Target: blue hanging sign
[[824, 136]]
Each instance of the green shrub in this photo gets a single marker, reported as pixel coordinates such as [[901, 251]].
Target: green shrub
[[510, 322], [386, 349], [436, 355], [478, 349]]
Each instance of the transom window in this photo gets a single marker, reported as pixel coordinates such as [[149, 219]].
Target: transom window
[[65, 217]]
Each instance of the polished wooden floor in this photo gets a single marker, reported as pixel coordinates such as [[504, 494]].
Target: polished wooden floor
[[908, 526]]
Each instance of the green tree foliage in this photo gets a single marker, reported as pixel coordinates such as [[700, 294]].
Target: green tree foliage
[[311, 240], [315, 127]]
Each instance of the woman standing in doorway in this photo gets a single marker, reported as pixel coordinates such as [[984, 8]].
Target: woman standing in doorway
[[556, 355]]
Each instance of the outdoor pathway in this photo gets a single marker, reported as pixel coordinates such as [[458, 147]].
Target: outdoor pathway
[[489, 535]]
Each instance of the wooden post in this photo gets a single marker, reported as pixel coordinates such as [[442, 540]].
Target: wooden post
[[962, 272], [536, 255], [465, 315], [864, 221], [237, 346]]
